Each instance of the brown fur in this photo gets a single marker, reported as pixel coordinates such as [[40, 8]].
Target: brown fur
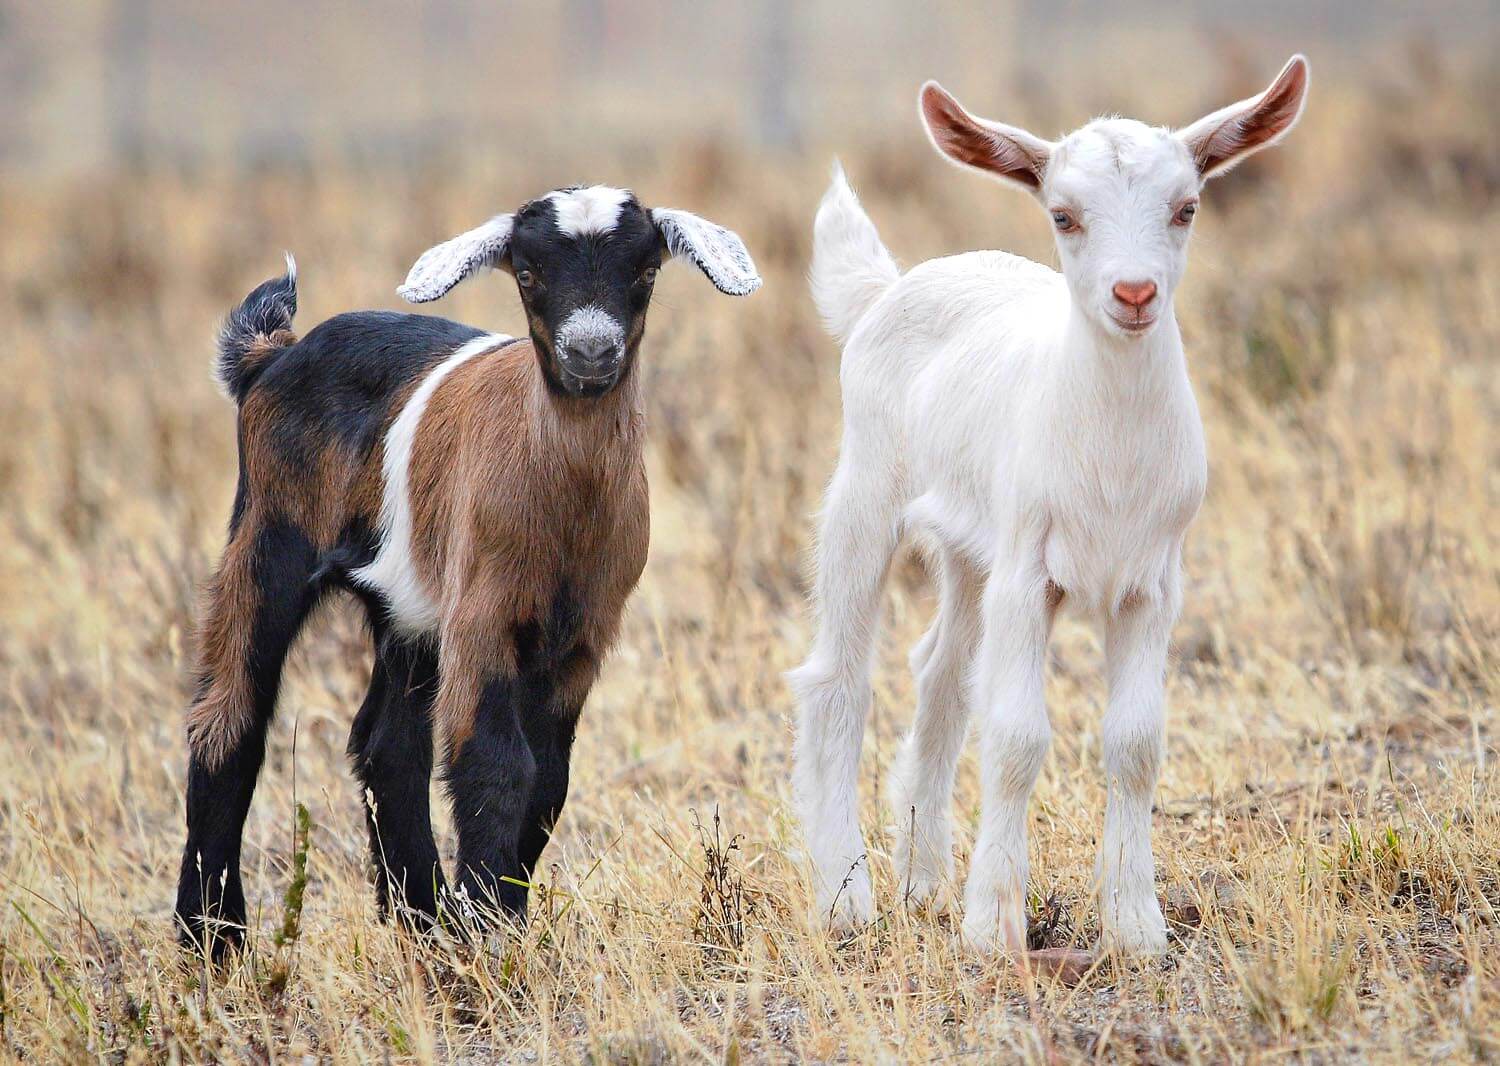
[[515, 492], [263, 347], [225, 707], [320, 499]]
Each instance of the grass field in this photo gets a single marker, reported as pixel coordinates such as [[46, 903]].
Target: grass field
[[1328, 822]]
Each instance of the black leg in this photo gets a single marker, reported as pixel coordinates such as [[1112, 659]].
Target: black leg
[[391, 745], [221, 774], [550, 733], [490, 782], [210, 896]]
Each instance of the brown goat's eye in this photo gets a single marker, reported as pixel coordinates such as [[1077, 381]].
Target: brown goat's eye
[[1064, 221], [648, 275], [1185, 213], [525, 278]]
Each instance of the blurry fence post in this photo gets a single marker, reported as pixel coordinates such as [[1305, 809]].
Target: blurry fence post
[[586, 27], [775, 121], [127, 70]]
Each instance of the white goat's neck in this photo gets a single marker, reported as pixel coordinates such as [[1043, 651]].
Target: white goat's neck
[[1123, 366]]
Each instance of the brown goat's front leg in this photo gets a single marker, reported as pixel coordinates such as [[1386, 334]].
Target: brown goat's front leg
[[490, 776], [550, 730]]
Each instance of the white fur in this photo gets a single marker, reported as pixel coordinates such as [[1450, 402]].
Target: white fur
[[587, 323], [856, 267], [391, 572], [443, 266], [999, 410], [716, 251], [595, 209]]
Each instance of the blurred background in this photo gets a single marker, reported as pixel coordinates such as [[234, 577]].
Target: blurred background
[[1336, 659], [96, 84]]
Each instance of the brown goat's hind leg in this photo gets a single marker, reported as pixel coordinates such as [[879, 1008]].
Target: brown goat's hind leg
[[391, 746], [257, 603], [490, 779]]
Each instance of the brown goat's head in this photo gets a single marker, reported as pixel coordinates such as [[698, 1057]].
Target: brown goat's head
[[585, 261]]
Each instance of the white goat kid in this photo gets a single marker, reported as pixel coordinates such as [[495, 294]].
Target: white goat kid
[[1039, 431]]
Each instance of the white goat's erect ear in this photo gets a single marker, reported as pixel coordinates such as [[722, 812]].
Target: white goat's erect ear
[[716, 251], [1220, 140], [993, 148], [440, 268]]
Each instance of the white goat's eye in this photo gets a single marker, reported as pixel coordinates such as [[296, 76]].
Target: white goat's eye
[[525, 278], [1185, 213], [1064, 221]]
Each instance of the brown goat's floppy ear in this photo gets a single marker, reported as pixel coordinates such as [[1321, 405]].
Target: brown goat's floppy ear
[[716, 251], [1220, 140], [993, 148], [442, 267]]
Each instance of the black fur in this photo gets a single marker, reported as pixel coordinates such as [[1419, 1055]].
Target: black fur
[[550, 735], [603, 270], [490, 784], [336, 389], [337, 384], [510, 779], [210, 899], [391, 747], [269, 309]]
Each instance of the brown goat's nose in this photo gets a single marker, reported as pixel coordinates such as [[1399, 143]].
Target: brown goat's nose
[[1135, 294]]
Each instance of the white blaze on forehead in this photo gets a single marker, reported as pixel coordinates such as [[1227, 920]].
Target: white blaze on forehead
[[592, 210], [588, 323], [1106, 150], [391, 572]]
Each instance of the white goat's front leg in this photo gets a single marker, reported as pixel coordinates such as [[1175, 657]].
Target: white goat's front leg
[[921, 794], [860, 532], [1134, 736], [1014, 738]]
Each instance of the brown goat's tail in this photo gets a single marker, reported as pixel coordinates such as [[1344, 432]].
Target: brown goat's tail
[[255, 331]]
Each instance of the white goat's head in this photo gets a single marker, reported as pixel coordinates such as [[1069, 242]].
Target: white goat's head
[[1121, 194]]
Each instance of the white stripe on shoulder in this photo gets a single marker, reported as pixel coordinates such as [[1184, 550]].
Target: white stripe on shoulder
[[595, 209], [391, 572]]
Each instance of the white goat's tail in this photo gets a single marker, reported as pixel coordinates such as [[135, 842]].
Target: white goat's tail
[[850, 267]]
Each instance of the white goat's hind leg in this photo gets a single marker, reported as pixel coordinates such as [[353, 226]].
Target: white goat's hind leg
[[860, 532], [922, 784], [1134, 734], [1014, 738]]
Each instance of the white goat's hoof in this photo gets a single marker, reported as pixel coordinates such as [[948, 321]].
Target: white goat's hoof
[[930, 893], [851, 906], [991, 935], [1139, 930]]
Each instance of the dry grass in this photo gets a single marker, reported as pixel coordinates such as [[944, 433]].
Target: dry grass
[[1329, 818]]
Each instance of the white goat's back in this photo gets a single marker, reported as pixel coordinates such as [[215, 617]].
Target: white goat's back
[[850, 267]]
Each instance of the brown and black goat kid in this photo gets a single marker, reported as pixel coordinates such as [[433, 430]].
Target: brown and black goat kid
[[484, 496]]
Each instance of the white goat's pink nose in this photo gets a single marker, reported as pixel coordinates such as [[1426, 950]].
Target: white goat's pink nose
[[1135, 294]]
